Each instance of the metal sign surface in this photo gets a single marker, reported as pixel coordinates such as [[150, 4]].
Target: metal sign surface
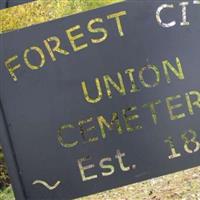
[[101, 99]]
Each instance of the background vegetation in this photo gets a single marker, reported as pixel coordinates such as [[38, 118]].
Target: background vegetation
[[45, 10], [5, 190], [4, 178]]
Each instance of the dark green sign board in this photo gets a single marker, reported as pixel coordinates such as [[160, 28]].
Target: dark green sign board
[[101, 99]]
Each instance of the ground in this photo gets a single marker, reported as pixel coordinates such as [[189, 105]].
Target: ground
[[183, 185]]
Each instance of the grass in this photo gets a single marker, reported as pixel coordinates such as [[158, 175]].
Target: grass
[[5, 188], [7, 194], [45, 10], [4, 178]]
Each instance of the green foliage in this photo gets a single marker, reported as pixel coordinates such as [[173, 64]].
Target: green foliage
[[4, 178], [7, 194], [41, 11]]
